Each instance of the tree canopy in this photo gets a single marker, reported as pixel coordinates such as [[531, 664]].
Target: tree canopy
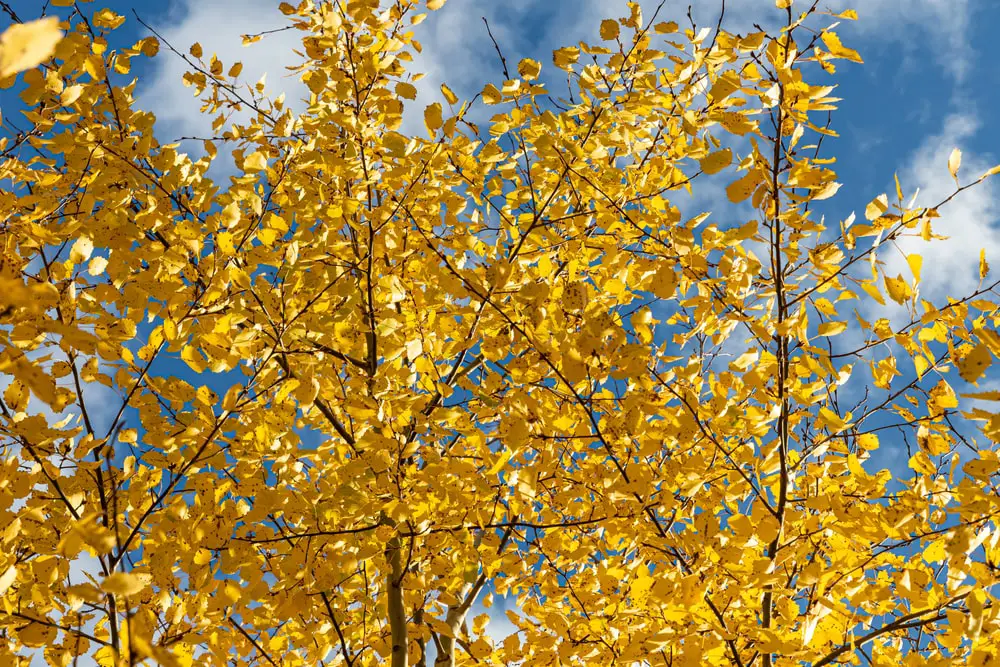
[[361, 383]]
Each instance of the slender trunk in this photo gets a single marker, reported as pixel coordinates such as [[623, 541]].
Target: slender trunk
[[397, 612], [454, 619]]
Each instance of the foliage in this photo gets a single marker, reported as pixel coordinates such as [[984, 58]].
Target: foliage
[[376, 379]]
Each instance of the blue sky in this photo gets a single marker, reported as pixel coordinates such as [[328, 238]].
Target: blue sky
[[929, 84]]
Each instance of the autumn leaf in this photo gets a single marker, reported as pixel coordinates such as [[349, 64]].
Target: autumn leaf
[[7, 578], [831, 328], [897, 289], [716, 162], [609, 29], [124, 583], [27, 45], [954, 162], [975, 363]]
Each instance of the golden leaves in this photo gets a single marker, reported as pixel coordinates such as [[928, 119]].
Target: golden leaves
[[406, 90], [741, 189], [400, 342], [897, 288], [27, 45], [125, 583], [491, 95], [529, 69], [736, 122], [877, 207], [715, 162], [609, 29], [432, 117], [975, 363], [831, 328], [575, 297], [256, 161], [565, 57], [7, 579], [837, 49], [448, 94]]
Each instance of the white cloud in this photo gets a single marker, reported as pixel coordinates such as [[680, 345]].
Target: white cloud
[[950, 267], [911, 22], [458, 51], [218, 26]]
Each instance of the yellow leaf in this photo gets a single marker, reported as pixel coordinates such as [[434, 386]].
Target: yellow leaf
[[193, 358], [943, 396], [491, 95], [17, 396], [921, 463], [406, 90], [868, 441], [70, 94], [80, 252], [230, 215], [196, 50], [435, 4], [916, 262], [37, 635], [830, 419], [833, 44], [984, 268], [935, 552], [450, 96], [97, 266], [877, 207], [609, 29], [7, 579], [832, 328], [86, 592], [826, 191], [500, 462], [565, 57], [741, 189], [745, 360], [983, 395], [897, 288], [231, 592], [432, 117], [872, 290], [782, 4], [124, 583], [255, 162], [665, 282], [954, 162], [921, 365], [974, 364], [224, 242], [932, 444], [27, 45], [715, 162], [529, 69]]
